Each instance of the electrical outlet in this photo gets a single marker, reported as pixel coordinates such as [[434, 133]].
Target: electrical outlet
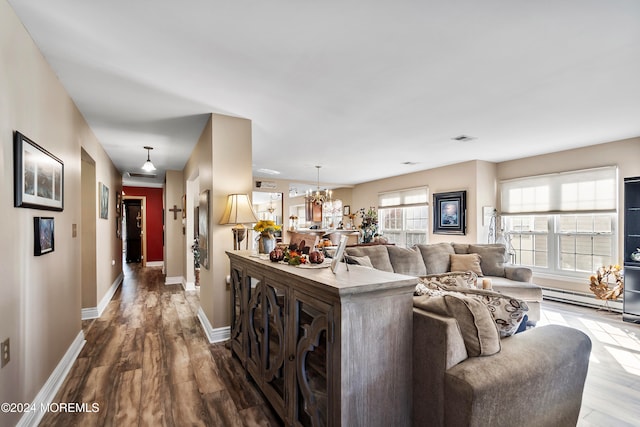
[[5, 353]]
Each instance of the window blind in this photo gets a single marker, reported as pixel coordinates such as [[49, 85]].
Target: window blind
[[589, 190], [403, 198]]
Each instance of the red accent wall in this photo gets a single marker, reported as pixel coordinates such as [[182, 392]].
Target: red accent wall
[[154, 219]]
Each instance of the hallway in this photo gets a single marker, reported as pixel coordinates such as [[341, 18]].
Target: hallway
[[147, 363]]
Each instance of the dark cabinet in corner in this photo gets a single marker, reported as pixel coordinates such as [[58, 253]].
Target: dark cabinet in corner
[[325, 349], [631, 312]]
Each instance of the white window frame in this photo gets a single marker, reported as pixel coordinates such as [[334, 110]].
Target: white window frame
[[403, 200]]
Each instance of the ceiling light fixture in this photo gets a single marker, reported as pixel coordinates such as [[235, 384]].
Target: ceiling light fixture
[[318, 197], [148, 166]]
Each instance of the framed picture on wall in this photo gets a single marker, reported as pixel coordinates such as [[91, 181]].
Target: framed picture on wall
[[38, 176], [449, 212], [203, 228], [103, 193], [43, 238]]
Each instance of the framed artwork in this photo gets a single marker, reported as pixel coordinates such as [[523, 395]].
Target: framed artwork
[[203, 228], [103, 193], [43, 238], [38, 176], [449, 212], [184, 206], [346, 210], [118, 203]]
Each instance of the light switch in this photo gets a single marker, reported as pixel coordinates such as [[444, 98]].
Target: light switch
[[74, 230]]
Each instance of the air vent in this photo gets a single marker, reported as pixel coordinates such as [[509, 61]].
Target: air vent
[[409, 163], [464, 138], [141, 175]]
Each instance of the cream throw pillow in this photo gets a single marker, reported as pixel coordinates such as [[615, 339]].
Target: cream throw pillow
[[466, 262]]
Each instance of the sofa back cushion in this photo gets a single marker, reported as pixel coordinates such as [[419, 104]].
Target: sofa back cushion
[[479, 331], [436, 257], [377, 254], [406, 261], [492, 258]]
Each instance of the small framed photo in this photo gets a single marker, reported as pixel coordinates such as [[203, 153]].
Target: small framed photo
[[103, 193], [346, 210], [43, 237], [38, 176], [339, 255], [449, 212]]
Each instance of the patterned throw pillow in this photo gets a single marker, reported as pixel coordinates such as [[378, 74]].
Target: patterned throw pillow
[[506, 311]]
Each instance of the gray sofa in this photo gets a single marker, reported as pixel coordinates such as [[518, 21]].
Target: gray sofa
[[435, 258], [466, 372]]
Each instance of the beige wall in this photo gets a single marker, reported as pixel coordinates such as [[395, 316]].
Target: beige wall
[[222, 162], [41, 296], [175, 253]]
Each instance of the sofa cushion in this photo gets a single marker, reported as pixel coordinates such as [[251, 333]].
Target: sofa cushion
[[377, 254], [506, 311], [492, 258], [460, 248], [466, 262], [406, 261], [522, 290], [436, 257], [467, 279], [477, 327]]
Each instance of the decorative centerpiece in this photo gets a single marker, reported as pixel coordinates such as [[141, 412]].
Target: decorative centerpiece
[[266, 239], [599, 283], [195, 248], [369, 224]]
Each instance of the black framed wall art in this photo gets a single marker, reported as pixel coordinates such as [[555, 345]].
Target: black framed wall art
[[43, 237], [449, 212], [38, 176]]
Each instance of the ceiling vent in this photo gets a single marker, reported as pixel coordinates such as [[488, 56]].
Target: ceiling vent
[[464, 138], [141, 175]]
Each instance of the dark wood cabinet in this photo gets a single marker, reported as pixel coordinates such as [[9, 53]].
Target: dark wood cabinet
[[325, 349], [631, 312]]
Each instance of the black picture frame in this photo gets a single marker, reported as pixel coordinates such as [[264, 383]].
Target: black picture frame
[[103, 193], [203, 228], [38, 176], [43, 235], [450, 213], [346, 210]]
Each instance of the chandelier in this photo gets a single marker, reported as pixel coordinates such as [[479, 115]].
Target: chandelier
[[318, 197]]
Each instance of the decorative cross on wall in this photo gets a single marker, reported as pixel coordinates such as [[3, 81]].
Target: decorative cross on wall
[[175, 211]]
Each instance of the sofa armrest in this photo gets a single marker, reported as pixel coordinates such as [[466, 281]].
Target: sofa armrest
[[437, 346], [537, 379], [519, 274]]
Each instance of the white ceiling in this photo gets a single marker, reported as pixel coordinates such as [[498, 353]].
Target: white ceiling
[[356, 86]]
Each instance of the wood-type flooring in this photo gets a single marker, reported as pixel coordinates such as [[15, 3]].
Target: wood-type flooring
[[147, 362]]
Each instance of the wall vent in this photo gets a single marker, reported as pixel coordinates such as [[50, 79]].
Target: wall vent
[[464, 138], [141, 175]]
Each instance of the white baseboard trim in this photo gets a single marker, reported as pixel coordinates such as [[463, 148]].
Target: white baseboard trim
[[155, 263], [50, 388], [214, 335], [96, 312], [189, 286], [173, 280], [579, 298]]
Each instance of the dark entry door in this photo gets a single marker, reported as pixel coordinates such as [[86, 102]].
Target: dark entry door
[[133, 218]]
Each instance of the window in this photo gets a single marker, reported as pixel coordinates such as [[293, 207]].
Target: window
[[563, 223], [403, 216]]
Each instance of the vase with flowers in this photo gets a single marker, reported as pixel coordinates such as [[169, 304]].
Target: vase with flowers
[[368, 224], [266, 238]]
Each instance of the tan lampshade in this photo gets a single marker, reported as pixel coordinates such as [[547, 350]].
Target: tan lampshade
[[238, 210]]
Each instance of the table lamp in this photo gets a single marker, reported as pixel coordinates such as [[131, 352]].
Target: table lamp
[[238, 211]]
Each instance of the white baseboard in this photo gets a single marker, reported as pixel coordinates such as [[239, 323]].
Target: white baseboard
[[214, 335], [96, 312], [155, 263], [50, 388], [189, 286], [173, 280], [579, 298]]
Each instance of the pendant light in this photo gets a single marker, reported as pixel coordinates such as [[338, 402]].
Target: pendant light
[[148, 166]]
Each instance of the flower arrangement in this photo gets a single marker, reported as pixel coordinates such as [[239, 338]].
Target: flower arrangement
[[599, 283], [195, 248], [266, 226], [369, 223]]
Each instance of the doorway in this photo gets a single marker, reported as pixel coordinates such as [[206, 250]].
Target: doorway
[[134, 226]]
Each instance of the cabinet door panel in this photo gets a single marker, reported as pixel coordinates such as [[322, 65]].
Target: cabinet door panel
[[237, 313], [255, 328], [313, 347], [275, 303]]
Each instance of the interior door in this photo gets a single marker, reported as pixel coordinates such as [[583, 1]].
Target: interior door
[[133, 241]]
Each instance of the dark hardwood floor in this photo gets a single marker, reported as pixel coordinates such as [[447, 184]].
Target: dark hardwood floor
[[147, 362]]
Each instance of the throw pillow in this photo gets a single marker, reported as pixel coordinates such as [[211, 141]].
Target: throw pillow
[[507, 312], [436, 257], [364, 261], [406, 261], [466, 262], [492, 258], [477, 327]]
